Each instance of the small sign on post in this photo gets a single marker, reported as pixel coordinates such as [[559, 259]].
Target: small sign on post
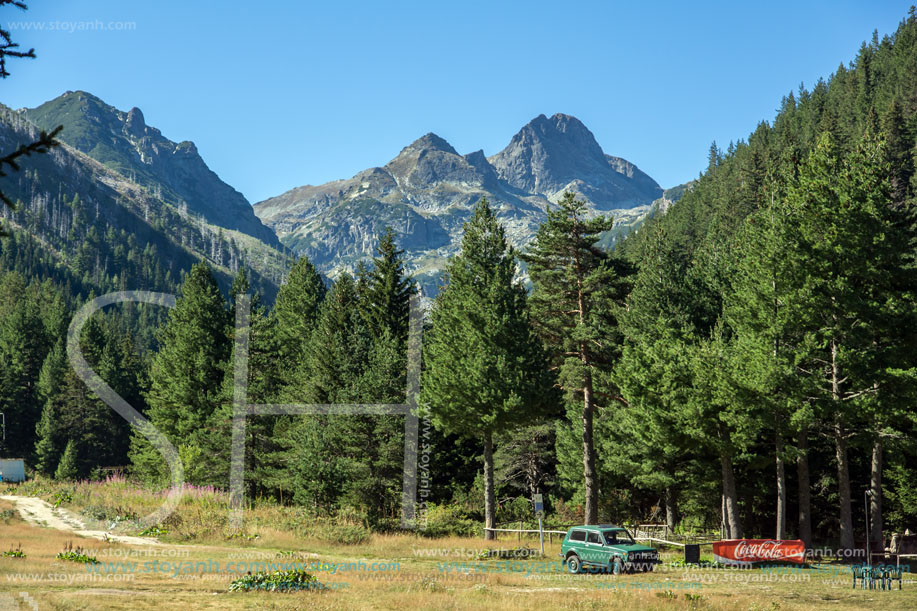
[[538, 501]]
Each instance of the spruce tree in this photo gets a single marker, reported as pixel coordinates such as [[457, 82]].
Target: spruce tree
[[766, 340], [48, 443], [23, 346], [485, 369], [654, 375], [67, 469], [323, 451], [187, 372], [853, 295], [388, 290], [48, 440], [295, 314], [384, 291]]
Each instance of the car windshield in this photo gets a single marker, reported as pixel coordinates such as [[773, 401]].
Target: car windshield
[[617, 537]]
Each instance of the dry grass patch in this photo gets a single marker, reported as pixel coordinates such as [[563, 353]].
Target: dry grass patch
[[423, 574]]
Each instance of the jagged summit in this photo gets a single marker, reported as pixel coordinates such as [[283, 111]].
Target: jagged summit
[[427, 191], [125, 143], [431, 142], [551, 155]]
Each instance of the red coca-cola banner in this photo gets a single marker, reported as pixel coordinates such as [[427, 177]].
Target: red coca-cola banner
[[749, 551]]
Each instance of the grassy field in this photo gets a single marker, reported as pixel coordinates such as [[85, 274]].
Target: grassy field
[[397, 571]]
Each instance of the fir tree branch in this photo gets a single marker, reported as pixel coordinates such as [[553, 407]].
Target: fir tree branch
[[45, 142], [7, 46]]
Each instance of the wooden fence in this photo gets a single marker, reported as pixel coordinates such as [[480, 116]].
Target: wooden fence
[[640, 533]]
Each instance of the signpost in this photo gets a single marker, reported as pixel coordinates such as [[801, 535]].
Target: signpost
[[538, 500]]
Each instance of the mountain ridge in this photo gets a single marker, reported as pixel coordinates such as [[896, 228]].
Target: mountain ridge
[[125, 143], [427, 191]]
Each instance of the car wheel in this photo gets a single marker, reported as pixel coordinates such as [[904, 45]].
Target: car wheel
[[618, 566], [573, 564]]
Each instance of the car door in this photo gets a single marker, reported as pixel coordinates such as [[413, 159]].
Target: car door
[[596, 549]]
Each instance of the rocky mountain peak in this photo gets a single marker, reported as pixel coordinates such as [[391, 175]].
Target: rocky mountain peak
[[551, 155], [430, 142], [428, 191], [134, 124]]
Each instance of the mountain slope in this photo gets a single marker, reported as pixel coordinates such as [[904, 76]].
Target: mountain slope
[[426, 193], [175, 172], [114, 234]]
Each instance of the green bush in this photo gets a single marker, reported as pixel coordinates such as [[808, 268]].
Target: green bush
[[152, 531], [294, 580], [76, 555], [520, 508], [448, 521], [14, 553], [63, 496]]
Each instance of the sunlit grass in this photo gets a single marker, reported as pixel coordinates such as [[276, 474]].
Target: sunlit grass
[[426, 573]]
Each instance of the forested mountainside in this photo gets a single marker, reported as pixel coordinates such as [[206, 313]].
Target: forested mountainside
[[173, 172], [113, 233], [788, 266], [428, 191], [81, 229]]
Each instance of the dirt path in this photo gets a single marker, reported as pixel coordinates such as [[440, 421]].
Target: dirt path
[[36, 511]]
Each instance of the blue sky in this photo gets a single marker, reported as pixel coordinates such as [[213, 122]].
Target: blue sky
[[281, 94]]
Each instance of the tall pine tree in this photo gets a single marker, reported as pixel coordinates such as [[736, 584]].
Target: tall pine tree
[[578, 289], [486, 370]]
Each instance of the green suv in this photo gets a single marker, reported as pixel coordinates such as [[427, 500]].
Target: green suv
[[607, 548]]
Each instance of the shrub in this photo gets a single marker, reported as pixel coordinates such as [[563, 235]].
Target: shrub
[[63, 496], [14, 553], [445, 521], [293, 580], [152, 531], [520, 508], [76, 555]]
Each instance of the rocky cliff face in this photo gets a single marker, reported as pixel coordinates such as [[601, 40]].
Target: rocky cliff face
[[171, 171], [427, 192], [551, 156]]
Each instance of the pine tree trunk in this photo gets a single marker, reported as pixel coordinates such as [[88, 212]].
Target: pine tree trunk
[[733, 522], [671, 507], [840, 451], [781, 485], [592, 504], [843, 486], [490, 497], [875, 484], [805, 495], [591, 490]]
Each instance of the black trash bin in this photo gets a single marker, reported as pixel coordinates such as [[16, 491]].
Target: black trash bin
[[692, 553]]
